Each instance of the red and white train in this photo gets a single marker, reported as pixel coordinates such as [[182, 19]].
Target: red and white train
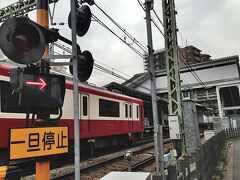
[[107, 117]]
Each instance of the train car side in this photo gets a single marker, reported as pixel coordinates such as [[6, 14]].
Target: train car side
[[8, 120], [103, 113]]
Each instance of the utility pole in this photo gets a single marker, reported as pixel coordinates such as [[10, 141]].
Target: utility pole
[[173, 74], [43, 167], [75, 92], [158, 135]]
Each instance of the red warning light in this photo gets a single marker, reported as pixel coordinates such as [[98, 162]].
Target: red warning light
[[41, 83]]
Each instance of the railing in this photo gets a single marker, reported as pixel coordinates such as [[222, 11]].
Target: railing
[[232, 133], [201, 164]]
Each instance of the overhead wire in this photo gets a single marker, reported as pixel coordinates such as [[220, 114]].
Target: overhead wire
[[136, 51], [141, 4], [65, 48], [99, 67], [158, 17], [140, 45], [142, 55], [129, 45], [113, 68], [102, 71], [189, 67], [154, 22]]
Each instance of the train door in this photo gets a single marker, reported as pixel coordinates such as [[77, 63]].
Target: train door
[[136, 116], [127, 115], [84, 113], [130, 119], [141, 118]]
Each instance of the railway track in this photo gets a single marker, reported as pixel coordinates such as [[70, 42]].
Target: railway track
[[142, 157], [100, 166], [142, 164], [28, 166]]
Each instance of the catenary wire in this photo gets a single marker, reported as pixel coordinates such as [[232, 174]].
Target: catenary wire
[[189, 67], [140, 45], [129, 45], [101, 68], [65, 48], [154, 22], [157, 17], [140, 3], [142, 55]]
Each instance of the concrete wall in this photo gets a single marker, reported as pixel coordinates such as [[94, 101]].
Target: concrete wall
[[191, 127]]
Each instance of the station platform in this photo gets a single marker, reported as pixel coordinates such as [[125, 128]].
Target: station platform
[[232, 169]]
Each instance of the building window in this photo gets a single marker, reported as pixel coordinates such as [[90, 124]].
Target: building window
[[229, 96], [186, 94], [85, 109], [108, 108]]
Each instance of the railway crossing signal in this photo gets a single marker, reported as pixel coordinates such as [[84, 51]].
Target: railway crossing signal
[[83, 20], [38, 91], [85, 66], [85, 59], [23, 41]]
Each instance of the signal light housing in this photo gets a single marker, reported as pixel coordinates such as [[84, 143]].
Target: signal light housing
[[23, 41], [37, 91], [83, 20], [85, 66]]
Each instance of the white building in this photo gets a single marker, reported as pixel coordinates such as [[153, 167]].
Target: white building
[[213, 75]]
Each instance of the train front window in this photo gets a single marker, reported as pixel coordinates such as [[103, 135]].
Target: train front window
[[85, 106], [108, 108]]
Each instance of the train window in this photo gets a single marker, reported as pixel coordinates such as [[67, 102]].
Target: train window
[[108, 108], [126, 110], [85, 106], [137, 112], [130, 111]]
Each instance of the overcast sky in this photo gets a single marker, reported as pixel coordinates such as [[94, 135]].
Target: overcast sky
[[212, 26]]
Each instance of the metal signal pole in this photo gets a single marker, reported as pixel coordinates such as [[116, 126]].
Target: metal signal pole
[[75, 92], [158, 135]]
